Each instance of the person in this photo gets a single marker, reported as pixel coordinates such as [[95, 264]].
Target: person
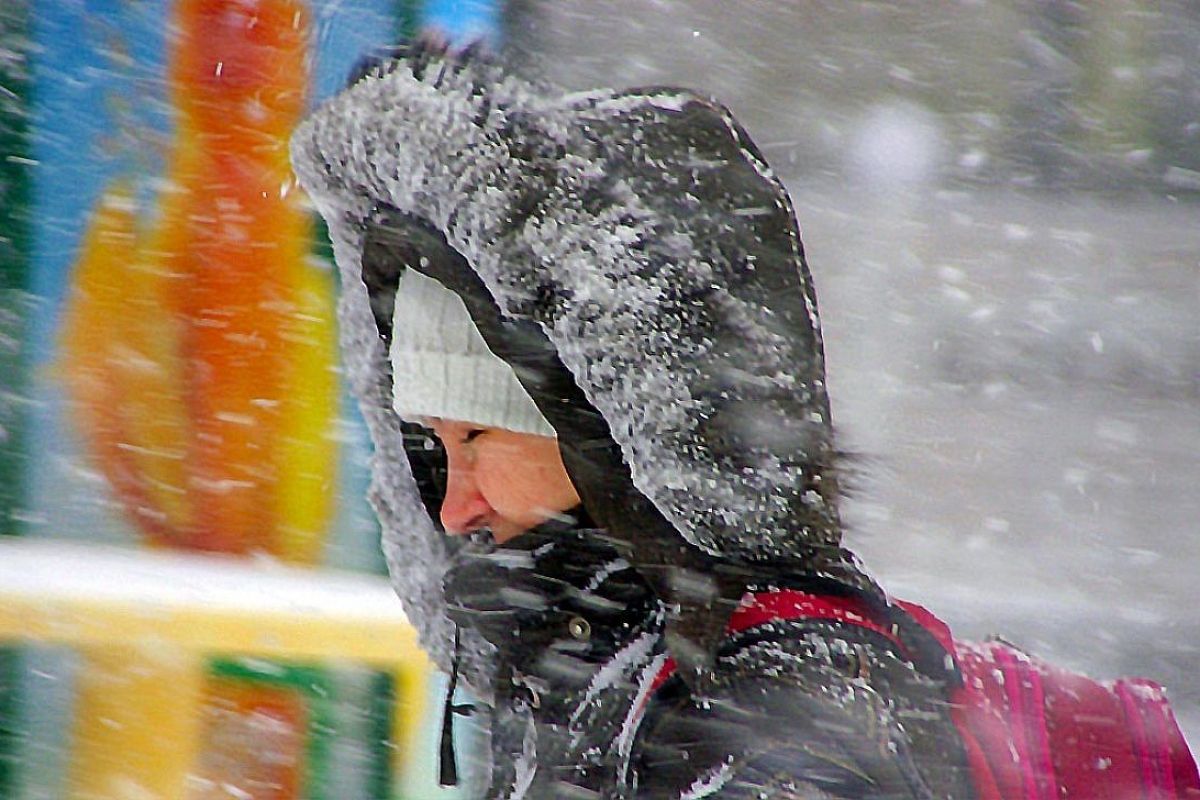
[[576, 609], [585, 340]]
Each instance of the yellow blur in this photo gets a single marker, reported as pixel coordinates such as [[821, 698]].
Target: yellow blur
[[148, 625]]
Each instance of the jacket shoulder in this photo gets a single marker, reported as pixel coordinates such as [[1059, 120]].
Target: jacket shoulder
[[805, 709]]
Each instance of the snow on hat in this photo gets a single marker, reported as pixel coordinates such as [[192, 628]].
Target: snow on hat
[[442, 367]]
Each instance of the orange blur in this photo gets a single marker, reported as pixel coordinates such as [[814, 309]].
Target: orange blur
[[198, 346]]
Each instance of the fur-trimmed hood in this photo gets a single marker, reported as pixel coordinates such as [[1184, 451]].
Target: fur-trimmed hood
[[636, 261]]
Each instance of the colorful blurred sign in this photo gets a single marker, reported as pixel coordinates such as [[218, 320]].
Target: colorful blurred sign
[[198, 341], [170, 377]]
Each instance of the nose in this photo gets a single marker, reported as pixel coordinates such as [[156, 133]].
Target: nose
[[464, 508]]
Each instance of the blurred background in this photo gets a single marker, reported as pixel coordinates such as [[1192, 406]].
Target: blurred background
[[1000, 201]]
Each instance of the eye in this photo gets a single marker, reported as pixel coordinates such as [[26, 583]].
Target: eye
[[474, 434]]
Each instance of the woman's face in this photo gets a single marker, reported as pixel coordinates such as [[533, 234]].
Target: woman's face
[[498, 479]]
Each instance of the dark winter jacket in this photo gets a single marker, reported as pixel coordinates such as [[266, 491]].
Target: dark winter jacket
[[634, 259]]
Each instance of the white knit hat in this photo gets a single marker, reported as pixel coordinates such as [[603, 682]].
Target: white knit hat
[[441, 367]]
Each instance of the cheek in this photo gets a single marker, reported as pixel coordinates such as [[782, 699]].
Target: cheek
[[516, 489], [503, 483]]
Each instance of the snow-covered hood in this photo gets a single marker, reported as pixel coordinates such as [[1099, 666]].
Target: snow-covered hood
[[642, 238]]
